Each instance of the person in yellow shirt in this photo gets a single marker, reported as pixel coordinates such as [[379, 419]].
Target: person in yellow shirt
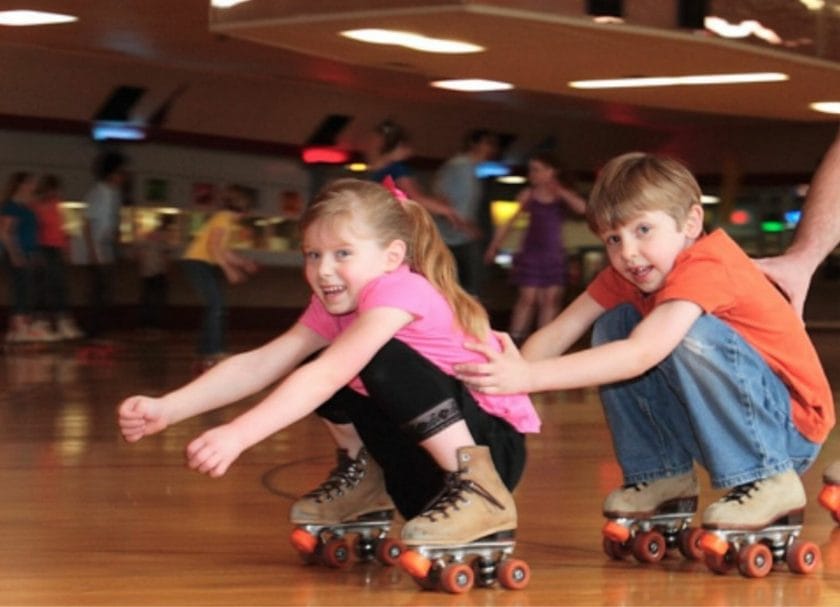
[[208, 261]]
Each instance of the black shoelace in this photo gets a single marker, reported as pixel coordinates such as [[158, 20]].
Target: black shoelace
[[347, 473], [741, 493], [452, 494]]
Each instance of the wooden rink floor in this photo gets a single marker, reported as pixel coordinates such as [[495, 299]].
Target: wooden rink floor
[[86, 519]]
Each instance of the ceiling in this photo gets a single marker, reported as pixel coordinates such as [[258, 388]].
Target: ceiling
[[540, 46], [228, 68]]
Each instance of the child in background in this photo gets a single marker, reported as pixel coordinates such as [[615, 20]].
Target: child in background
[[208, 261], [698, 356], [539, 267], [53, 245], [389, 320]]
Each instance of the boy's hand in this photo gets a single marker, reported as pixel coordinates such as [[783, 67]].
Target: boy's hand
[[505, 372], [140, 416], [214, 451]]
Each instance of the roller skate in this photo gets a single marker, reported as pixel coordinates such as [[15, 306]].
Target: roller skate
[[352, 501], [466, 535], [757, 525], [830, 494], [648, 519]]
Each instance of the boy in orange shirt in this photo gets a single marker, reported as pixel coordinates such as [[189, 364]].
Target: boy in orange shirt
[[698, 356]]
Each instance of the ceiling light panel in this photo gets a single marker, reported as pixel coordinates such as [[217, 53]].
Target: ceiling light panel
[[411, 40], [701, 79], [26, 17], [472, 85]]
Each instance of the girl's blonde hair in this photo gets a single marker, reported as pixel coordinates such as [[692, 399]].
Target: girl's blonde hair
[[389, 219], [636, 182]]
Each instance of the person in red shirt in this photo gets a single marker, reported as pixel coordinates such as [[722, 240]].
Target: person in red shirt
[[698, 356], [53, 246]]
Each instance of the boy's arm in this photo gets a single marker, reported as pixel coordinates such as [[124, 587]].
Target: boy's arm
[[303, 391], [651, 341]]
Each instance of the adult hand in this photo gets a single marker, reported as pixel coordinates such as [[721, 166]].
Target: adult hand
[[505, 371], [789, 276]]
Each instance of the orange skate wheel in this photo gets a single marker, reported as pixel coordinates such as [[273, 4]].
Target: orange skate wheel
[[649, 547], [720, 563], [457, 578], [388, 551], [415, 564], [803, 557], [303, 541], [513, 574], [616, 550], [755, 560], [689, 543], [337, 553], [616, 532], [711, 543], [830, 498]]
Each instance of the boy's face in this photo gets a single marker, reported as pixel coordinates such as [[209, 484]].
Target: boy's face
[[644, 249]]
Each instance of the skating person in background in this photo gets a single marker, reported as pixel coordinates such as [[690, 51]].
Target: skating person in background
[[19, 238], [53, 245], [102, 238], [389, 320], [208, 262], [698, 356], [539, 267]]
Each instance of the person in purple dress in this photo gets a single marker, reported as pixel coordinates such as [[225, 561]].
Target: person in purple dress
[[539, 267]]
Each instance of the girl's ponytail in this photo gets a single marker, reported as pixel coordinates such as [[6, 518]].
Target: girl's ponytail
[[430, 257]]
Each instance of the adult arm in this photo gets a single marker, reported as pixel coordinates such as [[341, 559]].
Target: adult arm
[[817, 234]]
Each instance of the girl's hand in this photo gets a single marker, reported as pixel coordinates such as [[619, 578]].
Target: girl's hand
[[214, 451], [505, 372], [140, 416]]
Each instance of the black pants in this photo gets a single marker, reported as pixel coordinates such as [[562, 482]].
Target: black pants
[[405, 387]]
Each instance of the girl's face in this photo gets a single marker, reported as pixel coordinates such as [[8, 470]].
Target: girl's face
[[644, 249], [341, 258], [539, 173]]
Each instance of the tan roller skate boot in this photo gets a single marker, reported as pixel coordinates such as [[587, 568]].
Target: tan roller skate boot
[[758, 504], [474, 503], [466, 535], [355, 487], [644, 499], [352, 500], [648, 518], [756, 525]]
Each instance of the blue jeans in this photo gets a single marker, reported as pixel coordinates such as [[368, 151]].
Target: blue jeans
[[208, 282], [713, 400]]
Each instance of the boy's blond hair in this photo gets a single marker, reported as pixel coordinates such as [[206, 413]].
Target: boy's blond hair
[[636, 182], [389, 219]]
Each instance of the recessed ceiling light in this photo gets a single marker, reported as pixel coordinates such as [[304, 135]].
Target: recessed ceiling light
[[618, 83], [225, 3], [826, 107], [24, 17], [472, 85], [416, 42]]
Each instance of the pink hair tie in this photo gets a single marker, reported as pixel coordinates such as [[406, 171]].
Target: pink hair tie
[[389, 184]]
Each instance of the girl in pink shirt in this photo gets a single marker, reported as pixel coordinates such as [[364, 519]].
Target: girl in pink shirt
[[372, 356]]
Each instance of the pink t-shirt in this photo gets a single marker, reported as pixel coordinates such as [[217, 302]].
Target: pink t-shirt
[[433, 333]]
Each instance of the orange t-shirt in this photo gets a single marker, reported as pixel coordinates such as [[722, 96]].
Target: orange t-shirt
[[717, 275]]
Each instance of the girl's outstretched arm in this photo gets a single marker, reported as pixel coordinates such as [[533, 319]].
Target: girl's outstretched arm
[[225, 383], [304, 390]]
